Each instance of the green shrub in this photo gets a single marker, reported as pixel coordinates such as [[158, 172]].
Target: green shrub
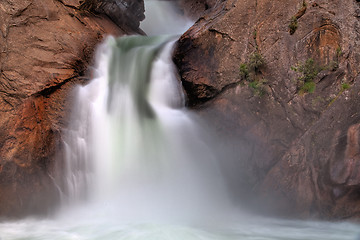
[[293, 25], [244, 71], [309, 71], [308, 87], [256, 61], [252, 67], [253, 85], [345, 86], [338, 52], [250, 70], [258, 87]]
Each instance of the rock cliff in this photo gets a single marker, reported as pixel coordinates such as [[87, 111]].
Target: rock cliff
[[45, 47], [280, 82]]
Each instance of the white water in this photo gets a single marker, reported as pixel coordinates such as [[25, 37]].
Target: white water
[[148, 158], [138, 168], [163, 17]]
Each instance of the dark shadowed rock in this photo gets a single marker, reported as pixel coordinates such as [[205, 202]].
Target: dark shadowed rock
[[297, 152], [127, 14]]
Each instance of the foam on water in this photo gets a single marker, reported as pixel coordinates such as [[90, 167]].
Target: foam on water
[[92, 225]]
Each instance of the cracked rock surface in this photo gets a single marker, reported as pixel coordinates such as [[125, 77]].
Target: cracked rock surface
[[296, 152], [45, 48]]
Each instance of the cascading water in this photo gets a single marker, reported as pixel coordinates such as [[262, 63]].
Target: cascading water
[[137, 164], [144, 148]]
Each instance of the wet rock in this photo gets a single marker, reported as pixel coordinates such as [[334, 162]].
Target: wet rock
[[127, 14]]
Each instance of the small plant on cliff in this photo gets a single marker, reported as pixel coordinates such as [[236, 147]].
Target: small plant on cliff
[[309, 70], [338, 52], [258, 87], [256, 61], [244, 71], [345, 86], [250, 69], [307, 87], [293, 25], [250, 72]]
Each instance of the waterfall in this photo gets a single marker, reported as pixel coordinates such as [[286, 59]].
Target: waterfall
[[132, 143]]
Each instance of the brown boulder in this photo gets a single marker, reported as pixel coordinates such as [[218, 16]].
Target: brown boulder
[[294, 150]]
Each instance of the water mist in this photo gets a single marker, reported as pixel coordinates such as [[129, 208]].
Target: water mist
[[144, 149]]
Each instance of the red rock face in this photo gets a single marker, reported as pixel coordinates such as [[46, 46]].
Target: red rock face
[[294, 151], [45, 48]]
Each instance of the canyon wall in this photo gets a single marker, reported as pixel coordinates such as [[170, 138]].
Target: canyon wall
[[279, 80]]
